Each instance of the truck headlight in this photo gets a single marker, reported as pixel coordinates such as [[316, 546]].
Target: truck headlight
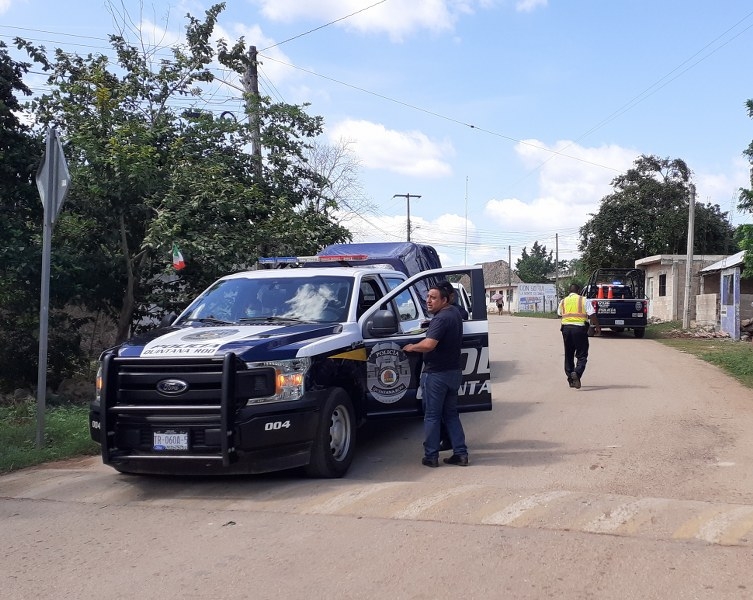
[[289, 380], [98, 393]]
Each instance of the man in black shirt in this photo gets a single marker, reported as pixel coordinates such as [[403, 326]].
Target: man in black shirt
[[441, 378]]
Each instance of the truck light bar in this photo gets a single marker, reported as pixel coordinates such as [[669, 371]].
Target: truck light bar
[[342, 257], [273, 260], [297, 260]]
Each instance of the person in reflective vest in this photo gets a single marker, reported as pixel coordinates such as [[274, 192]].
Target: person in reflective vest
[[576, 312]]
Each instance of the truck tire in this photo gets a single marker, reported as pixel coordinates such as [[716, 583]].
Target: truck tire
[[335, 441], [639, 333]]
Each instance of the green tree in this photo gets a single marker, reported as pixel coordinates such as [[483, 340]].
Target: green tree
[[147, 174], [538, 266], [746, 203], [647, 214], [20, 250]]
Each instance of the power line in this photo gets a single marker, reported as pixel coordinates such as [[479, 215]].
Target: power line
[[439, 115], [300, 35], [645, 93]]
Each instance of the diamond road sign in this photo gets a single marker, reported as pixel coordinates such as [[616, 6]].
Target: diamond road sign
[[53, 179]]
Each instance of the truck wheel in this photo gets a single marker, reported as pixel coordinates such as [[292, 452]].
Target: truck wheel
[[639, 332], [335, 441]]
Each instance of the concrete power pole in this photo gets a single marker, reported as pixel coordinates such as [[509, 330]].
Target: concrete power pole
[[689, 260], [251, 88], [509, 280], [407, 197], [557, 267]]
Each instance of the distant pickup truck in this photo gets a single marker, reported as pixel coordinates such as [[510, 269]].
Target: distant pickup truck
[[620, 299]]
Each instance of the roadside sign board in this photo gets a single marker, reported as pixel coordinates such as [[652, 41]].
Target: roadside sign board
[[53, 179]]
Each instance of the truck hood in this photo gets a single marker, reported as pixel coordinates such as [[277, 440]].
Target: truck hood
[[249, 342]]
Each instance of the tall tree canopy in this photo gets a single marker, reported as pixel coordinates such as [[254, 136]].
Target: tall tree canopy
[[20, 248], [647, 214], [147, 174], [538, 266]]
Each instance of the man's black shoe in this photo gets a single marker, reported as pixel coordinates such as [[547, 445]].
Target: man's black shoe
[[570, 381], [461, 460], [430, 462], [575, 380], [444, 445]]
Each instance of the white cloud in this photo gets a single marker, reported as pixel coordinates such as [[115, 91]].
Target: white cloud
[[454, 238], [724, 189], [4, 5], [156, 36], [530, 5], [395, 17], [405, 152], [570, 187]]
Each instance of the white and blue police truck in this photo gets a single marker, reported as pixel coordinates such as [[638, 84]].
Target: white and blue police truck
[[275, 368]]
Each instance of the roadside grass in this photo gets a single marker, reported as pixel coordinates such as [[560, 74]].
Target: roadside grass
[[66, 435], [734, 358]]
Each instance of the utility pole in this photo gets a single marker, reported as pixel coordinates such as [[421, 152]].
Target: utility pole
[[557, 267], [407, 197], [509, 280], [251, 88], [465, 254], [689, 260]]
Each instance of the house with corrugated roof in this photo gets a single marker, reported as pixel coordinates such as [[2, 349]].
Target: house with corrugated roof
[[665, 283], [499, 277], [725, 296]]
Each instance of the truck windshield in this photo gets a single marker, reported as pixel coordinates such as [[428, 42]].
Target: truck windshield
[[247, 300]]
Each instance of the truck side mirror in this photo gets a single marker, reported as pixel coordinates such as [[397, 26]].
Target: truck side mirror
[[383, 323]]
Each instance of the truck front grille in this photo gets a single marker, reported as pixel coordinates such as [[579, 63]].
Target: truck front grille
[[138, 383]]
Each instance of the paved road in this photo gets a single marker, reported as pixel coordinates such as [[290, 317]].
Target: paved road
[[638, 485]]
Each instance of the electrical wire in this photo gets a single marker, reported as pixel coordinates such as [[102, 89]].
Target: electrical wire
[[300, 35]]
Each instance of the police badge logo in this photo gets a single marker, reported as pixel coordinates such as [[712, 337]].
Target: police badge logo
[[387, 372], [209, 335]]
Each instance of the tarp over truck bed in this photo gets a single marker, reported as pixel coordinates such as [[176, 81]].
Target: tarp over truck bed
[[408, 257]]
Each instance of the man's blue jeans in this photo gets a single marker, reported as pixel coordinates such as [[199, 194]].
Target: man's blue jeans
[[440, 392]]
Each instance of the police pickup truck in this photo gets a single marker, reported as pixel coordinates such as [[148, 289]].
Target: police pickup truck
[[275, 368], [619, 298]]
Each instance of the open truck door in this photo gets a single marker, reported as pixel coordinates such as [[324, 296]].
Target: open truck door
[[400, 318]]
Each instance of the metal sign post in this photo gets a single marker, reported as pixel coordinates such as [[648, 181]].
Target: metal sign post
[[53, 182]]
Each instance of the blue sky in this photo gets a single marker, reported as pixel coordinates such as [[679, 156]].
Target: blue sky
[[509, 118]]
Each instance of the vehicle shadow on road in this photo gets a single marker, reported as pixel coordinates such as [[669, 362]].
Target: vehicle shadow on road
[[599, 388], [502, 370], [517, 453]]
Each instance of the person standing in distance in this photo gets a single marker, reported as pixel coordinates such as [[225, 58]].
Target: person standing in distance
[[500, 304], [441, 378], [576, 312]]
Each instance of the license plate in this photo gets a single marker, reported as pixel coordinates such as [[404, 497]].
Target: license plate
[[170, 440], [619, 321]]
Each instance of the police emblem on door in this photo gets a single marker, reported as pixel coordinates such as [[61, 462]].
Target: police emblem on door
[[387, 372]]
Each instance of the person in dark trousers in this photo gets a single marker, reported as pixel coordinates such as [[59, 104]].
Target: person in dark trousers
[[576, 312], [444, 437], [441, 378]]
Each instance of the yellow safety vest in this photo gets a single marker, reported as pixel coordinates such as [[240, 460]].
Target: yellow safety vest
[[573, 310]]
